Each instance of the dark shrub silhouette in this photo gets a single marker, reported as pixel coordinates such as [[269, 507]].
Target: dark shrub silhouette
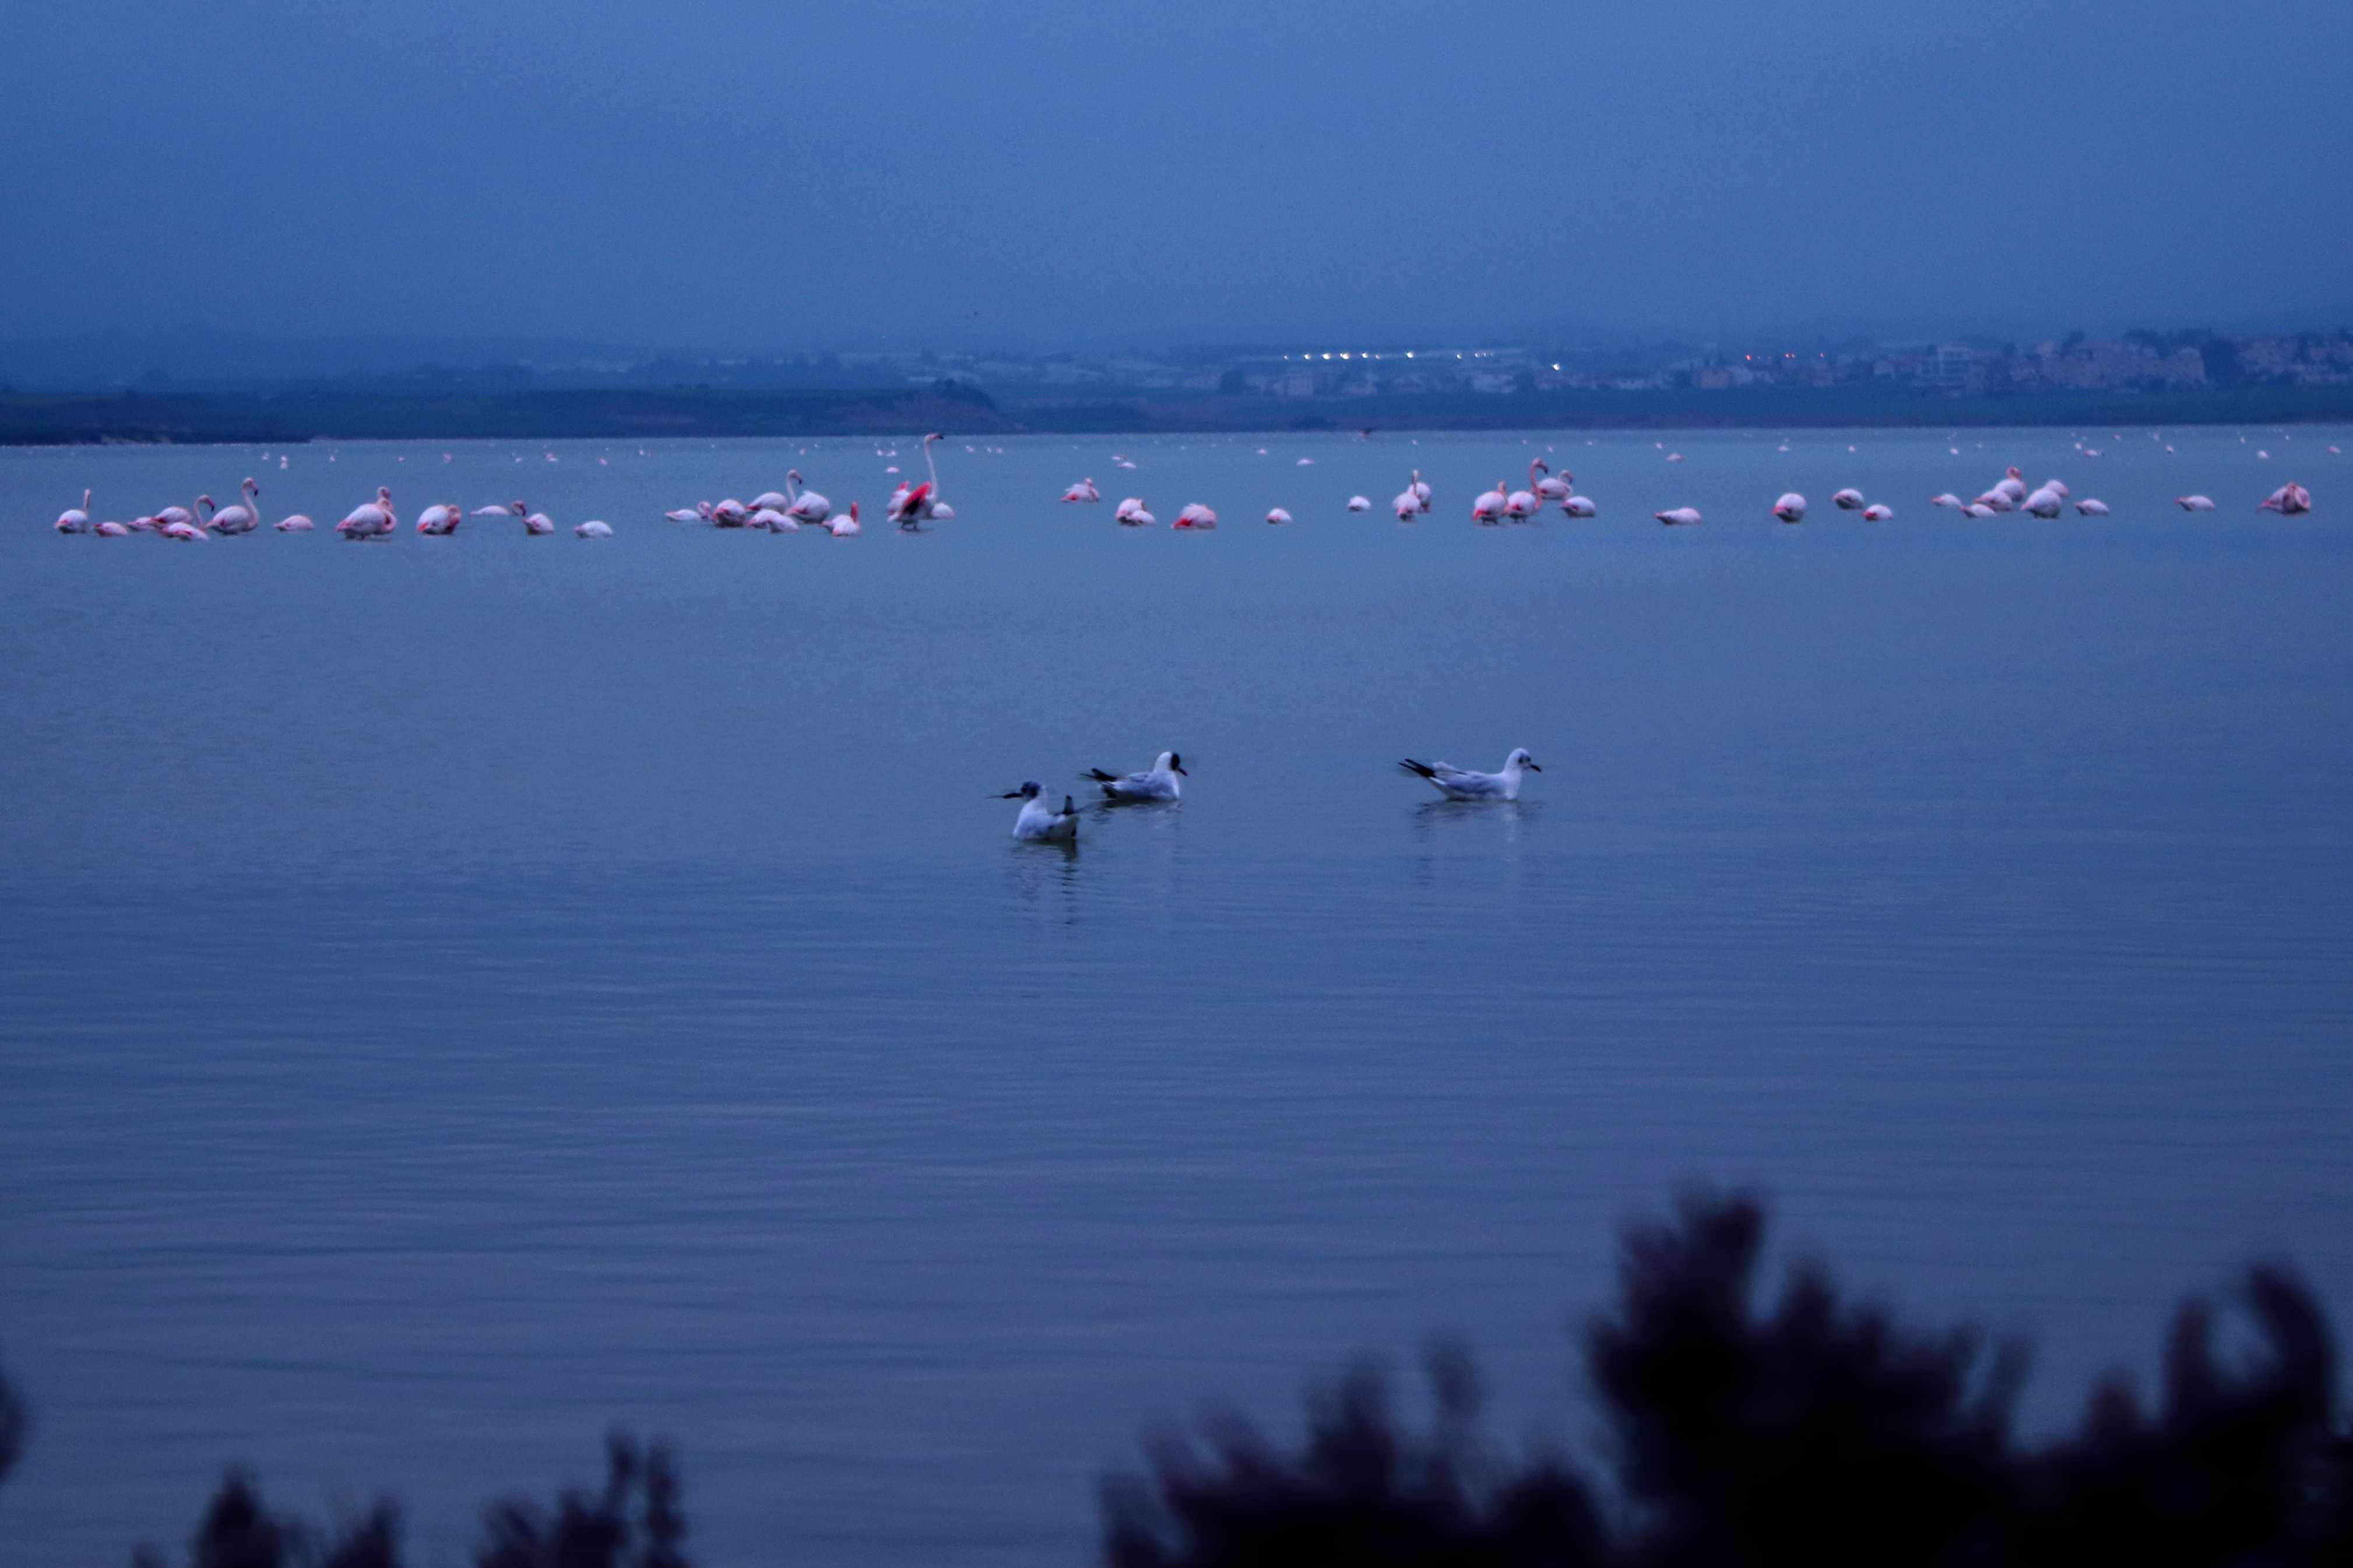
[[604, 1531], [1815, 1432], [239, 1530], [2241, 1467], [1363, 1492], [16, 1426]]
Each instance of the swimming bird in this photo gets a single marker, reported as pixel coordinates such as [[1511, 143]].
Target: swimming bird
[[512, 509], [1360, 503], [1580, 506], [2194, 503], [1039, 823], [1131, 514], [2012, 486], [2289, 500], [74, 519], [1488, 509], [593, 529], [1084, 490], [730, 513], [772, 520], [537, 523], [1156, 782], [1681, 516], [371, 519], [699, 512], [770, 500], [1979, 510], [111, 531], [2090, 507], [2043, 502], [1790, 508], [186, 532], [439, 520], [1456, 784], [1278, 515], [1194, 515], [1420, 490], [1947, 499], [1407, 505], [1875, 512], [1848, 499], [294, 523]]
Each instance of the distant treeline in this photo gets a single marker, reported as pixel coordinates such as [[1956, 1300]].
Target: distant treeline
[[1809, 1431], [374, 411]]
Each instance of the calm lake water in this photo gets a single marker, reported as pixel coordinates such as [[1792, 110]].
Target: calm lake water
[[461, 993]]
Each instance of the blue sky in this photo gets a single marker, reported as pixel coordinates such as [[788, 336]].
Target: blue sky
[[761, 176]]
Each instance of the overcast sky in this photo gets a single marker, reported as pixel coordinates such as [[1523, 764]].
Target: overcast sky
[[761, 175]]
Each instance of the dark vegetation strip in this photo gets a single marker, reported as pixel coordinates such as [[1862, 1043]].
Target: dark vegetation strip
[[1811, 1430], [287, 414]]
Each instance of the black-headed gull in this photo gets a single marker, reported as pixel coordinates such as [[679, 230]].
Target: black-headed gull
[[1456, 784], [1039, 823], [1155, 783]]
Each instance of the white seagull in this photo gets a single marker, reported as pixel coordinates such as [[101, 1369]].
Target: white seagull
[[1039, 823], [1456, 784], [1156, 782]]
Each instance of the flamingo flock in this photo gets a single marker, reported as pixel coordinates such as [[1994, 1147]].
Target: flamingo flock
[[797, 507]]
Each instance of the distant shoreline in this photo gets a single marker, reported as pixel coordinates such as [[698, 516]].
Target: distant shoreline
[[347, 411]]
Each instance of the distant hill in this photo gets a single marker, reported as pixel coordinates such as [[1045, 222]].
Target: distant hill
[[360, 411], [400, 411]]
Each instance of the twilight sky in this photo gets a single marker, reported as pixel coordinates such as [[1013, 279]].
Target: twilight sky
[[763, 175]]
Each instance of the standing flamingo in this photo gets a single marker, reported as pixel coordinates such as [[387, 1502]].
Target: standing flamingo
[[371, 519], [438, 520], [1489, 507], [912, 508], [73, 520], [1084, 490], [804, 506], [844, 525], [2289, 500], [1194, 515], [241, 519], [1521, 505], [1551, 486], [1790, 508], [1130, 513]]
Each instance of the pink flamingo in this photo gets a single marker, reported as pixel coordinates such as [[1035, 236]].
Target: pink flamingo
[[1790, 508], [73, 520], [2289, 500], [371, 519], [1489, 507], [1194, 515]]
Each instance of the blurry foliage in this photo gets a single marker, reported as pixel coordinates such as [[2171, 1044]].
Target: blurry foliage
[[1814, 1431], [1805, 1430], [16, 1425], [635, 1521]]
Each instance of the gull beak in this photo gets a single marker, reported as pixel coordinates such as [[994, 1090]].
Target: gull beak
[[1533, 769], [1175, 768]]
